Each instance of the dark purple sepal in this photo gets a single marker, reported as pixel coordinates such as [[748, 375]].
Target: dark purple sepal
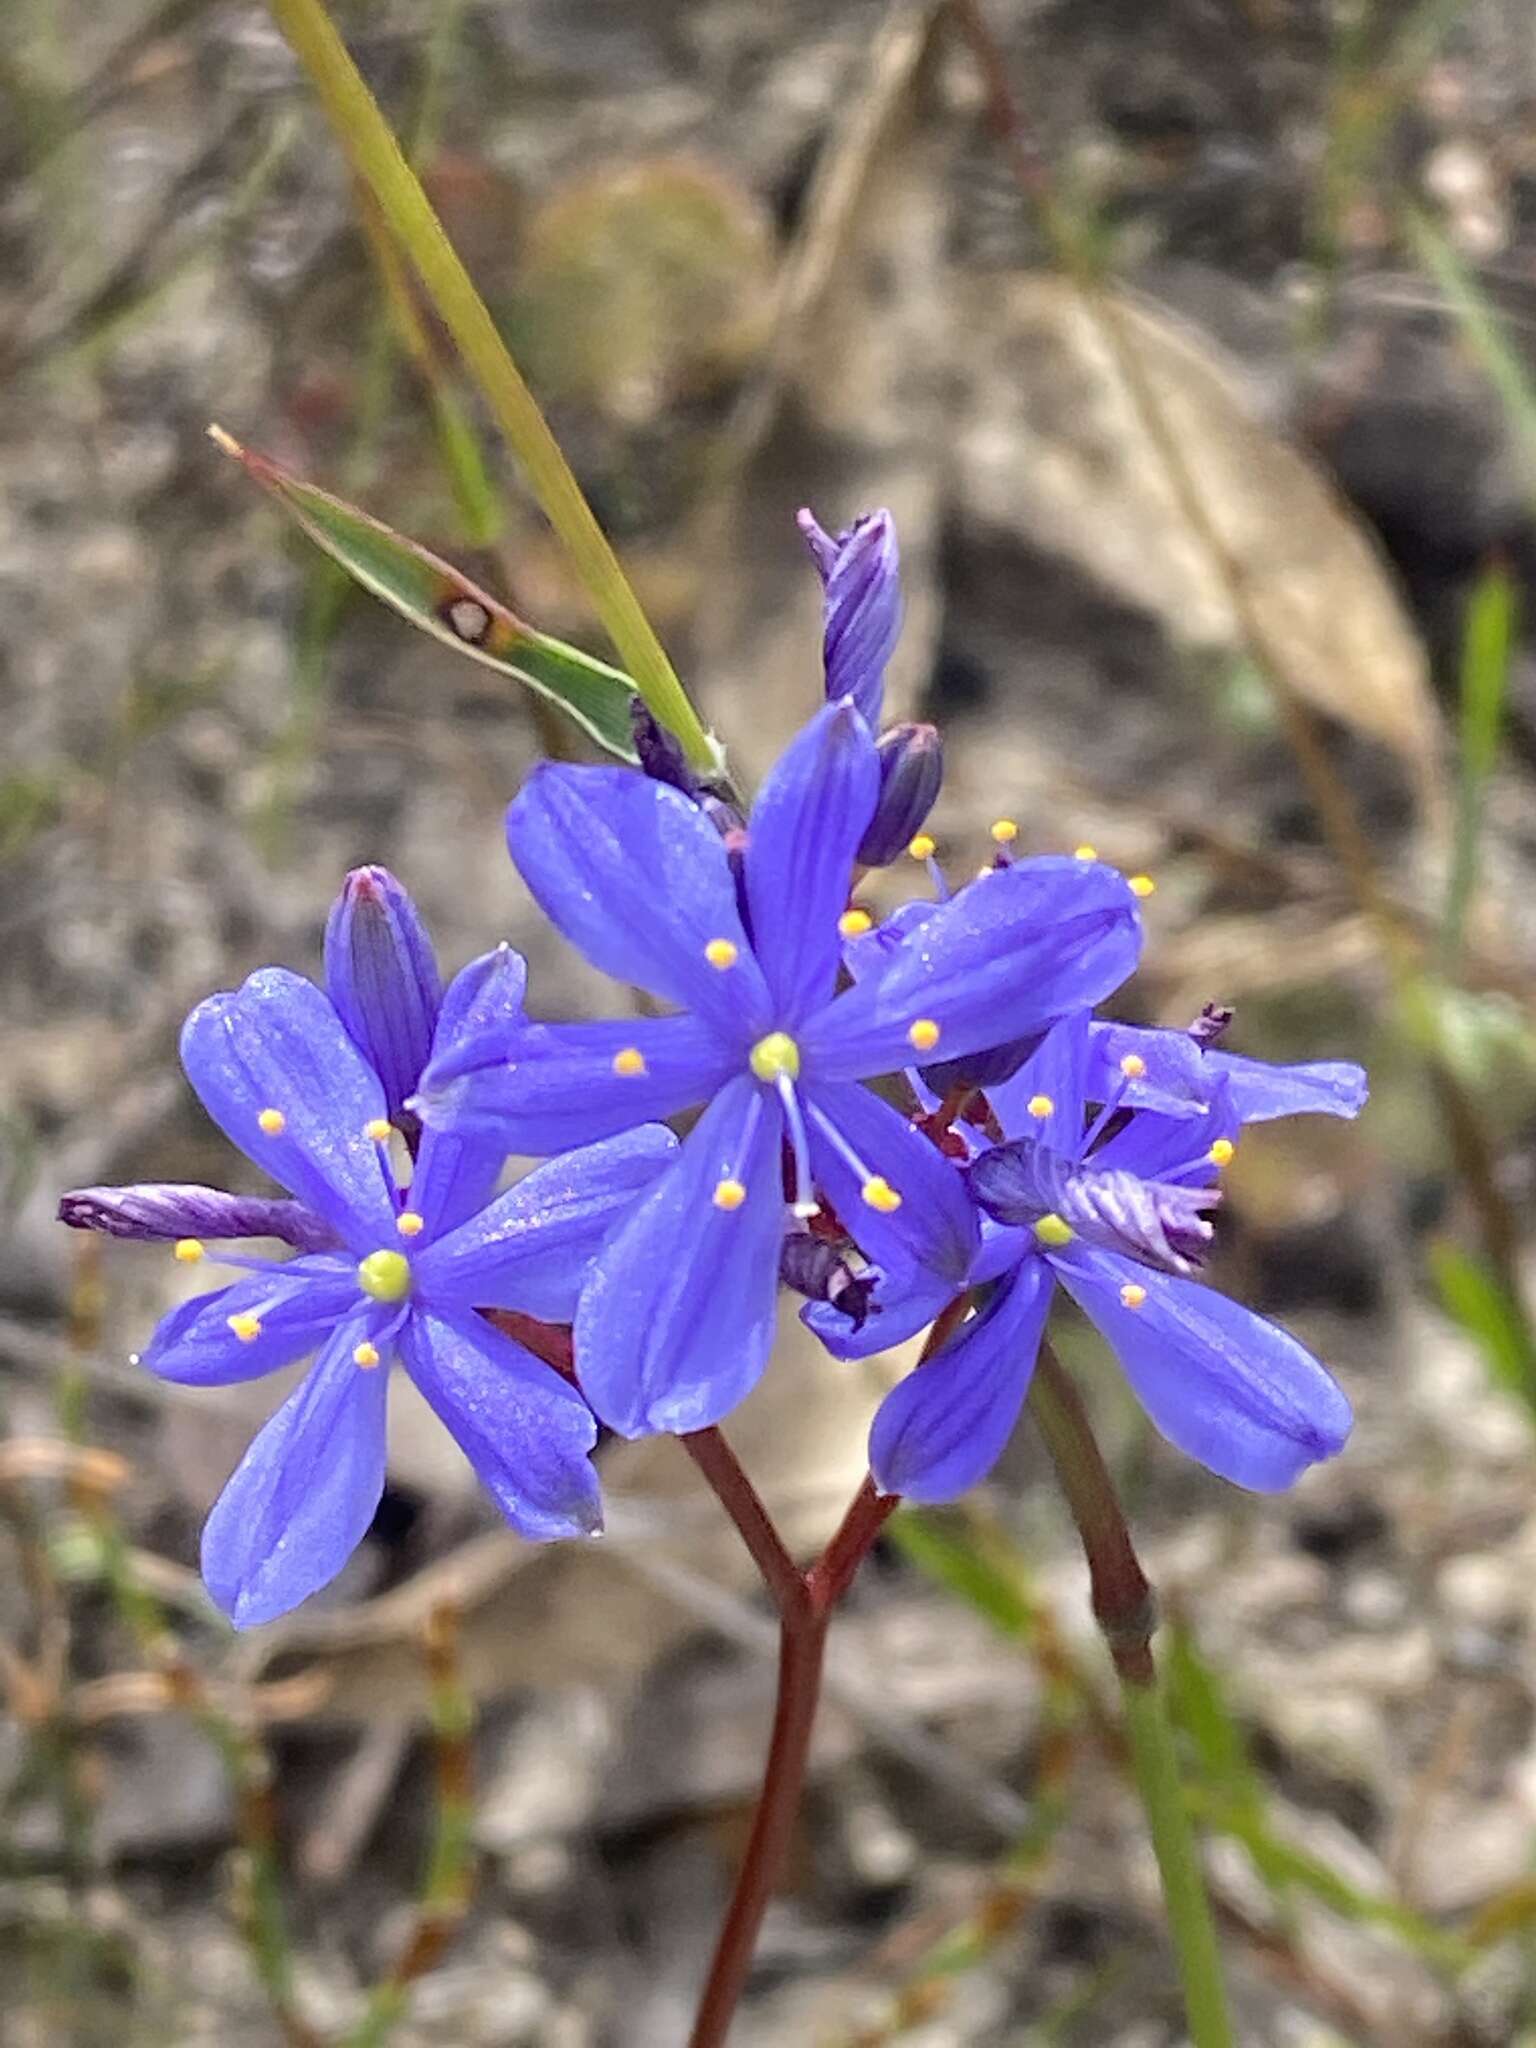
[[660, 752], [163, 1211], [911, 760], [820, 1272], [989, 1069], [381, 976]]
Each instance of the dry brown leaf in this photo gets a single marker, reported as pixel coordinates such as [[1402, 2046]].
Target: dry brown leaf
[[1056, 446]]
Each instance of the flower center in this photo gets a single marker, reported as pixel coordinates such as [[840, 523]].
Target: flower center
[[775, 1055], [385, 1276]]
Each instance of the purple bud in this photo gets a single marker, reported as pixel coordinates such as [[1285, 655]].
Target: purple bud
[[381, 975], [1212, 1024], [660, 752], [821, 1272], [165, 1210], [911, 770], [862, 612]]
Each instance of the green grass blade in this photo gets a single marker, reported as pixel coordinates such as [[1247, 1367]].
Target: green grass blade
[[377, 159], [1472, 1297], [435, 597], [1487, 649]]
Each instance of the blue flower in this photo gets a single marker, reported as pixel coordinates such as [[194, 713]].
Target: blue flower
[[392, 1274], [675, 1325], [1116, 1209]]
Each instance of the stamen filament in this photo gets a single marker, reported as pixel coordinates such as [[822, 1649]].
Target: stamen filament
[[804, 1204], [874, 1187]]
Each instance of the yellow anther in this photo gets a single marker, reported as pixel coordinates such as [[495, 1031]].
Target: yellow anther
[[1040, 1106], [366, 1355], [1005, 831], [273, 1122], [924, 1034], [879, 1194], [188, 1249], [1131, 1295], [774, 1055], [378, 1128], [1085, 852], [409, 1224], [1141, 885], [853, 924], [245, 1326], [629, 1060], [922, 847], [1133, 1066], [721, 953], [729, 1194], [1221, 1151], [385, 1276], [1054, 1230]]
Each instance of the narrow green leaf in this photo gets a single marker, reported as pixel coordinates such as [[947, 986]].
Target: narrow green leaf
[[957, 1563], [1487, 648], [434, 596], [1472, 1297]]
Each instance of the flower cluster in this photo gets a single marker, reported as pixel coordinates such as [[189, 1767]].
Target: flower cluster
[[1010, 1141]]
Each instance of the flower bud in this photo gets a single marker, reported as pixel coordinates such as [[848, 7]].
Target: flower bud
[[381, 975], [819, 1271], [164, 1211], [986, 1069], [911, 770], [660, 752], [862, 613]]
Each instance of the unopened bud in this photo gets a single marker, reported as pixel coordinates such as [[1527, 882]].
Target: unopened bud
[[989, 1069], [1212, 1024], [862, 614], [169, 1212], [381, 974], [660, 752], [820, 1271], [911, 770]]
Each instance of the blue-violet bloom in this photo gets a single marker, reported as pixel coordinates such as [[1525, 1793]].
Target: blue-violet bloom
[[394, 1274], [675, 1325], [1115, 1207]]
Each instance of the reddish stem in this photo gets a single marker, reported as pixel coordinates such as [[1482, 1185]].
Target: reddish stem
[[806, 1601], [802, 1644]]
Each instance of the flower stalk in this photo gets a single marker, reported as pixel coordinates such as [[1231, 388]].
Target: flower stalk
[[1125, 1608]]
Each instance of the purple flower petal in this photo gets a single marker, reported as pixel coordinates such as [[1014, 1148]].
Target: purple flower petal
[[159, 1211], [639, 881], [301, 1499], [942, 1429], [805, 826], [276, 1049], [531, 1248], [568, 1084], [292, 1308], [381, 975], [526, 1432], [676, 1322], [1172, 1148], [936, 1226], [1055, 1073], [457, 1169], [1181, 1078], [1014, 951], [1221, 1384]]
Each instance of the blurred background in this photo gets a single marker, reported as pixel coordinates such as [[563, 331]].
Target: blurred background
[[1201, 389]]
